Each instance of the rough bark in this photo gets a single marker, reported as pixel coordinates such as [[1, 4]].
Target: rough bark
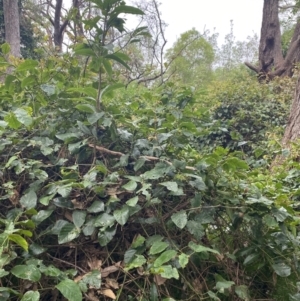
[[270, 51], [271, 60], [292, 130], [59, 28], [12, 26]]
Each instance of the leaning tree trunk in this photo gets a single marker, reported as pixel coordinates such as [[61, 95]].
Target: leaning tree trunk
[[292, 130], [12, 26]]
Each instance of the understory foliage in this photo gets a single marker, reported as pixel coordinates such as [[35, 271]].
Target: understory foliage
[[142, 194]]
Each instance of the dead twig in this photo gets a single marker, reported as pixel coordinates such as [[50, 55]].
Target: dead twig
[[119, 154]]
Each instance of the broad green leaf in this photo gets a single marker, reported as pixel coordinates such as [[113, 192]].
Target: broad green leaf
[[183, 260], [138, 261], [29, 81], [280, 214], [68, 233], [232, 164], [126, 9], [97, 206], [164, 257], [111, 88], [166, 271], [157, 172], [213, 296], [67, 137], [154, 293], [163, 137], [139, 163], [281, 269], [48, 89], [251, 258], [27, 65], [24, 232], [11, 160], [104, 237], [122, 215], [138, 241], [222, 285], [243, 292], [31, 296], [196, 229], [158, 247], [93, 118], [19, 240], [93, 279], [133, 201], [86, 108], [65, 190], [27, 272], [36, 249], [63, 203], [5, 48], [89, 91], [129, 255], [84, 49], [261, 200], [116, 57], [3, 124], [198, 248], [130, 186], [78, 218], [29, 200], [46, 199], [41, 216], [172, 186], [179, 219], [23, 117], [70, 290], [153, 239], [3, 273], [107, 66], [104, 220], [12, 120]]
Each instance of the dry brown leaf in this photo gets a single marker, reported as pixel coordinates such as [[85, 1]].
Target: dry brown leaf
[[14, 198], [68, 216], [77, 204], [78, 278], [159, 280], [109, 293], [220, 257], [140, 271], [92, 296], [112, 283], [119, 264], [197, 285], [105, 272], [95, 264]]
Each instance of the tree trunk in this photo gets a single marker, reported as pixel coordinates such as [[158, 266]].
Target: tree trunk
[[271, 60], [270, 51], [292, 130], [59, 29], [12, 26]]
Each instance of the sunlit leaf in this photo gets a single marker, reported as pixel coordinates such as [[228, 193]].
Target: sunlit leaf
[[27, 272], [179, 219], [70, 290]]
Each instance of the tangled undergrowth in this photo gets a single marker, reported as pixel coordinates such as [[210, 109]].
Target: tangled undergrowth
[[148, 194]]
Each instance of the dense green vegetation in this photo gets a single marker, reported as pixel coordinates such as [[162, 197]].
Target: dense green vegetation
[[134, 193]]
